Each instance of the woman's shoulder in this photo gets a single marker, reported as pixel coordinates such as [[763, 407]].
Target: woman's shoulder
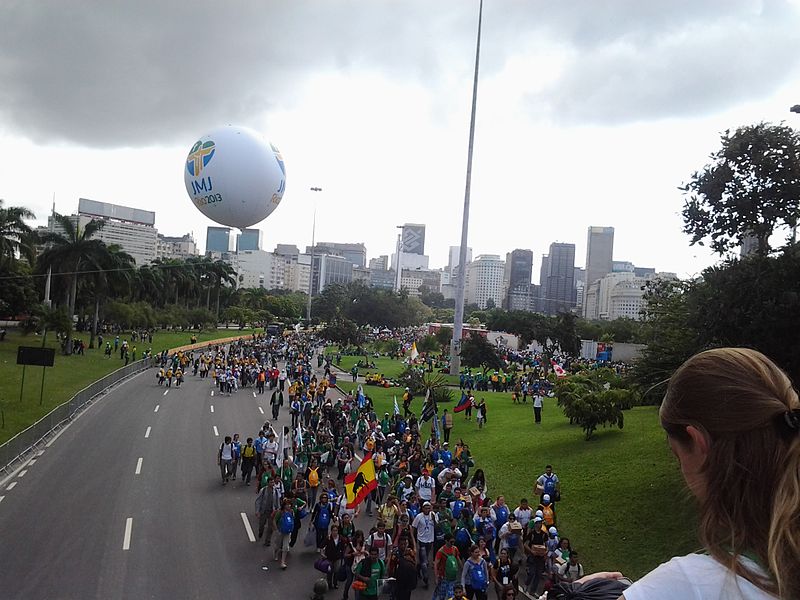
[[694, 576]]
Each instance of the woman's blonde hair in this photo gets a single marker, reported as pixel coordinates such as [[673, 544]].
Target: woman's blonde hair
[[750, 413]]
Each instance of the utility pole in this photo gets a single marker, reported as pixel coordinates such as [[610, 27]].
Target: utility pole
[[458, 320]]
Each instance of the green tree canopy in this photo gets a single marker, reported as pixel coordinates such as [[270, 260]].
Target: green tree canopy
[[750, 188]]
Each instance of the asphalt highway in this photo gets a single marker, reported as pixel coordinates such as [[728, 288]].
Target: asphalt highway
[[128, 503]]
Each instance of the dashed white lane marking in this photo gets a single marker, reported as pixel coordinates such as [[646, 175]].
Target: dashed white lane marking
[[254, 394], [147, 433], [157, 407], [212, 393], [1, 498], [12, 485], [261, 410], [126, 542], [39, 453], [166, 392], [139, 465], [22, 473], [216, 433], [212, 408], [247, 527], [32, 462]]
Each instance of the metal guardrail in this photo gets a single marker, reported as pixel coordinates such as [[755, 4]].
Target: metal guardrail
[[18, 446]]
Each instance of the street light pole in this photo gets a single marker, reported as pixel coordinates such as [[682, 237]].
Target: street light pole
[[311, 269], [458, 319], [398, 276]]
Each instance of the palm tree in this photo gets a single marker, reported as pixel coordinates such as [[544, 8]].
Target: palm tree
[[72, 252], [116, 269], [224, 274], [15, 234]]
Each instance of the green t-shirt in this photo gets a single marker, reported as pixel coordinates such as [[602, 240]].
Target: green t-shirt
[[377, 571]]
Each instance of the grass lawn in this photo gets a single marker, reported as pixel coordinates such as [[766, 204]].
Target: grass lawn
[[69, 374], [389, 367], [624, 503]]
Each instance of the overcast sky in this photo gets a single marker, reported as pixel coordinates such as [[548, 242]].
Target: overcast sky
[[589, 112]]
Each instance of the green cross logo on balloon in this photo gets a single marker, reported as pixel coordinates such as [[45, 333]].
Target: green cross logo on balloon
[[234, 176]]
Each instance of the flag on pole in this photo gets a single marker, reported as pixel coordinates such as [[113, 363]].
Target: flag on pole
[[414, 353], [359, 483], [557, 369], [396, 408], [429, 409], [462, 404], [298, 440], [281, 448]]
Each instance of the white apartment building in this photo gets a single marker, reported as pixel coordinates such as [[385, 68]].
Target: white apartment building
[[618, 295], [268, 270], [168, 247], [485, 276]]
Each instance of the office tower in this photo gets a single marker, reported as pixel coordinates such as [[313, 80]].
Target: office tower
[[249, 239], [218, 239], [454, 255], [518, 271], [599, 253], [354, 253], [129, 228], [558, 279], [327, 269], [485, 281], [381, 263]]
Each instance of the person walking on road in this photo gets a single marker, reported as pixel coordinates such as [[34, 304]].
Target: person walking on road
[[268, 501], [225, 459], [248, 460]]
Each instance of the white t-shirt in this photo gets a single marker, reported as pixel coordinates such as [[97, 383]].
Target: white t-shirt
[[523, 516], [425, 487], [424, 524], [695, 577]]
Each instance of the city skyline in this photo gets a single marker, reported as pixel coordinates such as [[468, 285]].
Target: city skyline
[[582, 117]]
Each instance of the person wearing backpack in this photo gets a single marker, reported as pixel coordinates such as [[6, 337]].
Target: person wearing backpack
[[446, 568], [248, 460], [548, 511], [475, 575], [225, 459], [284, 525], [321, 518], [312, 476], [370, 571]]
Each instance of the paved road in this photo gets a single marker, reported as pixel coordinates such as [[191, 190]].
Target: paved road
[[78, 521]]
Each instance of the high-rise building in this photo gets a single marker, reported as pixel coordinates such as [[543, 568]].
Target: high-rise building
[[619, 295], [519, 269], [168, 247], [454, 256], [558, 279], [218, 239], [599, 253], [524, 297], [381, 263], [485, 281], [413, 239], [129, 228], [327, 269], [249, 239], [355, 253]]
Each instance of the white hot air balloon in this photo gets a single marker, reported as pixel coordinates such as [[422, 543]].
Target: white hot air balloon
[[234, 176]]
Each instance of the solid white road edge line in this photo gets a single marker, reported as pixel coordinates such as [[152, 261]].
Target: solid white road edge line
[[147, 433], [126, 542], [247, 528], [261, 410], [216, 433], [157, 407], [12, 485], [139, 465]]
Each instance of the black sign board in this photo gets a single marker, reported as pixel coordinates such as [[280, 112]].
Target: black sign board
[[31, 355]]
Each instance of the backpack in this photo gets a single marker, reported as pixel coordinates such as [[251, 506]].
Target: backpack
[[451, 568], [323, 517], [313, 477], [548, 515], [513, 540], [458, 506], [286, 523], [477, 577], [462, 537], [501, 515]]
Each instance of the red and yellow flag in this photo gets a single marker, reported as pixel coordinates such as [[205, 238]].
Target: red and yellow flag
[[361, 482]]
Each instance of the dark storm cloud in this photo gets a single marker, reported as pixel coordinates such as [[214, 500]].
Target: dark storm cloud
[[108, 74]]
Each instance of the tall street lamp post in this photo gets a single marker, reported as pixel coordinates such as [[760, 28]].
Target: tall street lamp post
[[458, 320], [311, 269]]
